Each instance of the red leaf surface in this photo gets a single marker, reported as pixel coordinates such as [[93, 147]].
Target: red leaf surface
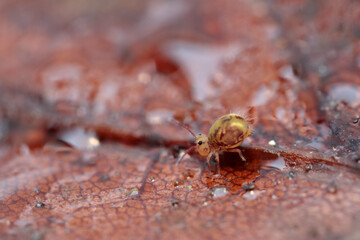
[[88, 91]]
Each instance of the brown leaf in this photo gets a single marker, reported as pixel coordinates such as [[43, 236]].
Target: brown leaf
[[88, 92]]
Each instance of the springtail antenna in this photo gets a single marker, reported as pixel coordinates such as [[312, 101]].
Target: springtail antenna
[[184, 126], [185, 153]]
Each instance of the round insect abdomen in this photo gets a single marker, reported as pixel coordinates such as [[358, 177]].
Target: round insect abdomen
[[228, 131]]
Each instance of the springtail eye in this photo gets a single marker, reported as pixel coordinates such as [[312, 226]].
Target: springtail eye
[[199, 142]]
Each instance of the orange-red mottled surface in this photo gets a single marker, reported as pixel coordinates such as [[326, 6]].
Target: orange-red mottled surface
[[88, 89]]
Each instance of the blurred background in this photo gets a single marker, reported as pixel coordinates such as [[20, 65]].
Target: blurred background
[[88, 90]]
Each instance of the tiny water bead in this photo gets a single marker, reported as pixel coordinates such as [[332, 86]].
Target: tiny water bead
[[272, 143], [80, 138], [291, 175], [40, 205], [331, 188], [278, 164], [133, 192], [218, 192], [356, 120], [252, 195], [178, 182], [174, 202], [187, 174], [308, 167], [248, 186], [37, 190], [151, 179]]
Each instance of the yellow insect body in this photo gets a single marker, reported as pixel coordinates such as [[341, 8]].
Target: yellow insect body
[[227, 133]]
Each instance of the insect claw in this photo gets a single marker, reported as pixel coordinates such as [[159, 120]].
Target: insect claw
[[208, 160], [217, 161], [239, 152]]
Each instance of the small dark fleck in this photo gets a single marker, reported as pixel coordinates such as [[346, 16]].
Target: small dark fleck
[[331, 187], [152, 179], [175, 151], [40, 205], [174, 202], [200, 142], [104, 178], [209, 193], [37, 190], [291, 174], [187, 174], [308, 167], [313, 233], [248, 186]]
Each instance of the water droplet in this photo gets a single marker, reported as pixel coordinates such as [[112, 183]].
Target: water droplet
[[189, 187], [308, 167], [178, 182], [80, 139], [251, 195], [248, 186], [187, 174], [291, 175], [37, 190], [278, 163], [133, 192], [218, 192], [331, 187], [356, 120], [174, 202], [272, 143], [152, 179], [40, 205]]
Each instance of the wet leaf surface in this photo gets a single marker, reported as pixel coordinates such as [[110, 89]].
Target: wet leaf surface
[[88, 91]]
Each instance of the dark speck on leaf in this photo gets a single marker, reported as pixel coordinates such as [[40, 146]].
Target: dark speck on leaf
[[248, 186], [174, 202], [37, 190], [104, 178], [40, 205]]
